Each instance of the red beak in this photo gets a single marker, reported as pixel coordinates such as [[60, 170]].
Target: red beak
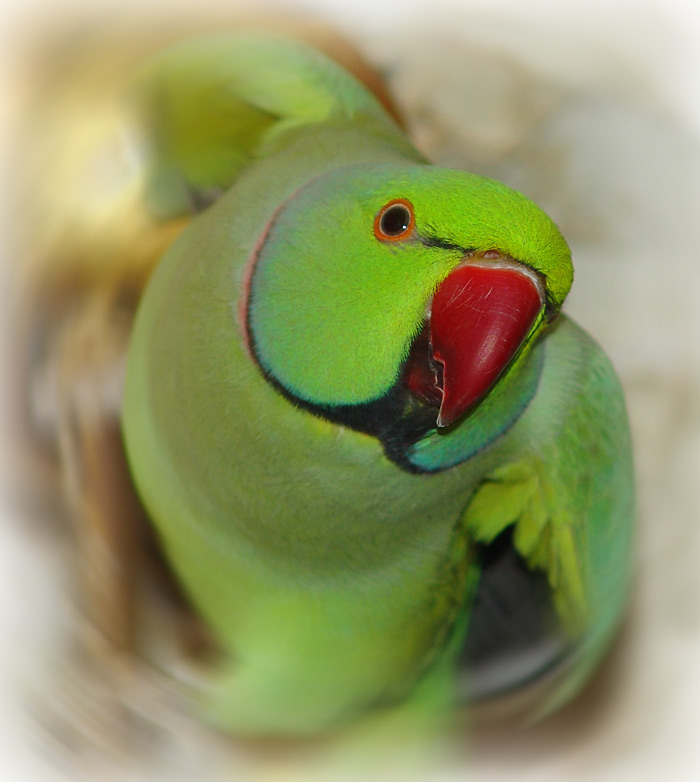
[[481, 315]]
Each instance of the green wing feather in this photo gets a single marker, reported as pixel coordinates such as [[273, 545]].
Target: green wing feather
[[215, 103], [545, 534]]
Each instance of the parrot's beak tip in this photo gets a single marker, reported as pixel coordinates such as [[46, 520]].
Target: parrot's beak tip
[[444, 421]]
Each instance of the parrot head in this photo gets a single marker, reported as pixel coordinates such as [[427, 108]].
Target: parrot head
[[393, 300]]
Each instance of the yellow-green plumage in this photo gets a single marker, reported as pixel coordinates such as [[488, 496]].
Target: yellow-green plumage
[[328, 534]]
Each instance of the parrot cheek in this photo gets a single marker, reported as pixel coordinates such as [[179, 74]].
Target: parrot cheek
[[481, 315]]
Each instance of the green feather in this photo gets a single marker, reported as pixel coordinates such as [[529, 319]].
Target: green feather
[[214, 104], [335, 574]]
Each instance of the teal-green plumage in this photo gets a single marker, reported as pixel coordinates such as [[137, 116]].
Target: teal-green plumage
[[324, 524]]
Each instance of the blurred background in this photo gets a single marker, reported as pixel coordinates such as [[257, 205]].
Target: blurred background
[[593, 110]]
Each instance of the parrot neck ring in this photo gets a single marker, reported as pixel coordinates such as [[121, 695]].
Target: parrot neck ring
[[476, 324]]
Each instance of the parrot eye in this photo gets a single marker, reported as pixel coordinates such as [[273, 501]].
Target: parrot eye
[[394, 221]]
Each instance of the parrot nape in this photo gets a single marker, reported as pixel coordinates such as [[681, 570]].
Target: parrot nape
[[379, 459]]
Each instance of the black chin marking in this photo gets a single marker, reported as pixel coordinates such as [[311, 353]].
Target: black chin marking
[[396, 419]]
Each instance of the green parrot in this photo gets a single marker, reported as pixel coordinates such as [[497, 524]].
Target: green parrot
[[385, 468]]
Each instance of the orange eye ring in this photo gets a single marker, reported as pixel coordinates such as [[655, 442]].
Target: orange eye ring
[[394, 221]]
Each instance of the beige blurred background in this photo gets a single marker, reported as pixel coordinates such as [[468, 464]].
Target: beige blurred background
[[593, 110]]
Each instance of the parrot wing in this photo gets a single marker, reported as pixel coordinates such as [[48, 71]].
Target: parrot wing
[[546, 532], [214, 103]]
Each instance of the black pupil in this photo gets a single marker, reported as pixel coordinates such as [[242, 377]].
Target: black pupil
[[395, 220]]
